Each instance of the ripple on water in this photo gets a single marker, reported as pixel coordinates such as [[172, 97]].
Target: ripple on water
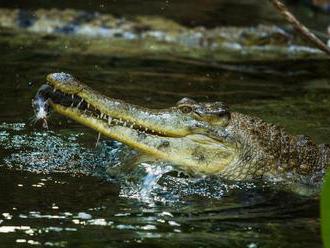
[[155, 202], [44, 151]]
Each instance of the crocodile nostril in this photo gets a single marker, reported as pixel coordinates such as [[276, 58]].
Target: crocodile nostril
[[61, 76], [223, 113]]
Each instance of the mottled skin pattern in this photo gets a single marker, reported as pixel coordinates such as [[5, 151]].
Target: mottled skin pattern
[[267, 150], [200, 138]]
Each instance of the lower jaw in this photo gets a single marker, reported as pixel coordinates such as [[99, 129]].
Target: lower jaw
[[120, 133]]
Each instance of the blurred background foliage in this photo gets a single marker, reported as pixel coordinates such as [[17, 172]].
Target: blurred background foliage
[[207, 13]]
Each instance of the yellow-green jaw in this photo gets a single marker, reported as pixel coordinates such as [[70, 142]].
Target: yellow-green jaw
[[187, 135]]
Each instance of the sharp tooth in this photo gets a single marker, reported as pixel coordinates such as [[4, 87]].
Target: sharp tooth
[[132, 126], [72, 96], [125, 123], [153, 131], [82, 100], [109, 120], [101, 115], [54, 90], [98, 139], [88, 105], [71, 105], [146, 129]]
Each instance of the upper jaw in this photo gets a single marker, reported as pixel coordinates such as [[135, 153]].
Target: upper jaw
[[167, 122], [79, 106], [65, 83]]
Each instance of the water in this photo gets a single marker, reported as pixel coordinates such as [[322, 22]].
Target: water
[[54, 189], [63, 197]]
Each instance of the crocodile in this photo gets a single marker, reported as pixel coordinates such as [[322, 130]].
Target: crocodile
[[197, 137], [70, 22], [81, 32]]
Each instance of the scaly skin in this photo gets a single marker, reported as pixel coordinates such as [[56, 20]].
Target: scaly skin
[[270, 151], [201, 138]]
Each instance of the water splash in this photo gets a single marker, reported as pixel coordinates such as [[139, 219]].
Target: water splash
[[152, 182], [149, 181], [47, 152]]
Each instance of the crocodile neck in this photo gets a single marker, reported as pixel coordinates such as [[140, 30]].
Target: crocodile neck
[[268, 151]]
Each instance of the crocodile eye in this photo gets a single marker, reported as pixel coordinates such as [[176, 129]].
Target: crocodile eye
[[223, 113], [186, 109]]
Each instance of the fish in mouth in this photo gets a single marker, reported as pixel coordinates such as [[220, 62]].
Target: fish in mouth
[[197, 137]]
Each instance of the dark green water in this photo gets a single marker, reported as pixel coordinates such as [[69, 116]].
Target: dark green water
[[53, 188], [74, 209]]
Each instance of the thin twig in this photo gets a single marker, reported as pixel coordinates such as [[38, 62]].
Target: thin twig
[[303, 30]]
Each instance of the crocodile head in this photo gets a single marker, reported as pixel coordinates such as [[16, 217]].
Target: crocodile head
[[191, 135]]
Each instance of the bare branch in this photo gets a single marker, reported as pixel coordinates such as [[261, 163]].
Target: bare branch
[[300, 28]]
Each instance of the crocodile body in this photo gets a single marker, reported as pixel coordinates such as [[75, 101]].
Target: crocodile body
[[71, 22]]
